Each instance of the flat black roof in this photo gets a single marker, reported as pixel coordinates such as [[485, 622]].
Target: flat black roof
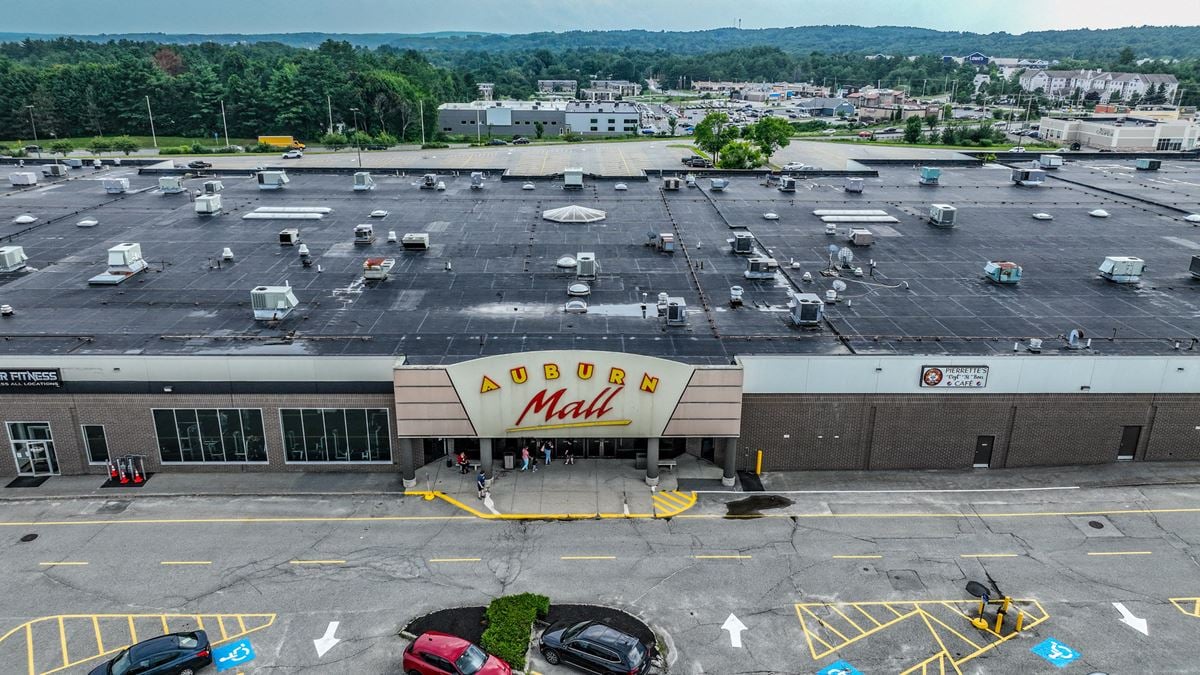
[[503, 292]]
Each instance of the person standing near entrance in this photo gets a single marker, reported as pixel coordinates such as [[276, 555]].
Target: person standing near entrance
[[524, 457], [481, 483], [546, 448]]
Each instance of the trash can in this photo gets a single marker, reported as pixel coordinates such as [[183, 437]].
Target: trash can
[[510, 461], [639, 460]]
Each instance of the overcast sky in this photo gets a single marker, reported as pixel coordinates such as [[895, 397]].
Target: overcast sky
[[524, 16]]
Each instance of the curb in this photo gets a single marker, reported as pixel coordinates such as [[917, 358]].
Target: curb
[[435, 494], [169, 495]]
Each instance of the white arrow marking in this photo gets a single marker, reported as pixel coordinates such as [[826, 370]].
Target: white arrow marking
[[1132, 621], [327, 641], [735, 628]]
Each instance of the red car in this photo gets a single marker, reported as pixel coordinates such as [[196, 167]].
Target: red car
[[436, 653]]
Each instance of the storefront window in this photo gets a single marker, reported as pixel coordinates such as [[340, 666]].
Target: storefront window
[[210, 435], [96, 443], [335, 435]]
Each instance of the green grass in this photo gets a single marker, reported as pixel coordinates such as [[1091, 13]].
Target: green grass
[[995, 147], [144, 141]]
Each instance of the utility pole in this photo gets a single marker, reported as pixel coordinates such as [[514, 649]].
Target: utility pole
[[421, 107], [35, 138], [357, 138], [329, 104], [225, 124], [150, 112], [477, 136]]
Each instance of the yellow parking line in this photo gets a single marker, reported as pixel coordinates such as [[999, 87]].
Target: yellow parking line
[[186, 562], [99, 640], [166, 628], [62, 639], [988, 555], [452, 560], [1120, 552], [588, 557], [317, 562], [29, 646], [856, 557], [720, 557], [132, 630], [61, 564], [221, 625]]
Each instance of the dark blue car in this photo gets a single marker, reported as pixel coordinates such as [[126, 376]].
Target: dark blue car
[[594, 647], [173, 654]]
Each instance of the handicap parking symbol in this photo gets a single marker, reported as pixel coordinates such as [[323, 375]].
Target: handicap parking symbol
[[233, 655], [1055, 652], [839, 668]]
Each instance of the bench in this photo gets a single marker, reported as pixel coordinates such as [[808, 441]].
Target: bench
[[667, 464], [474, 466]]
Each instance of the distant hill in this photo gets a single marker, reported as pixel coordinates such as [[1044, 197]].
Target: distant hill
[[1146, 41]]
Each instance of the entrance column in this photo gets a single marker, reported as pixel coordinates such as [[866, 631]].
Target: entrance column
[[730, 475], [485, 457], [651, 462], [408, 471]]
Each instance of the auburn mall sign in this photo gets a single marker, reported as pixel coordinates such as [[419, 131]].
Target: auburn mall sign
[[570, 393]]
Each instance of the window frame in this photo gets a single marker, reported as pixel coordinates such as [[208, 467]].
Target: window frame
[[162, 462], [367, 419], [87, 446]]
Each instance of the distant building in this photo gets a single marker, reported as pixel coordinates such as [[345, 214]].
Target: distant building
[[558, 86], [977, 59], [603, 118], [1109, 86], [823, 106], [487, 90], [610, 90], [502, 118], [1123, 134]]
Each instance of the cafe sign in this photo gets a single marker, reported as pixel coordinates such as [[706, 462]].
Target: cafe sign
[[954, 377], [29, 378], [569, 393]]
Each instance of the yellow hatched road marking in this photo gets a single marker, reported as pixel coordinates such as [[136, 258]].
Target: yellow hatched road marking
[[938, 639], [867, 614], [1189, 606], [848, 619]]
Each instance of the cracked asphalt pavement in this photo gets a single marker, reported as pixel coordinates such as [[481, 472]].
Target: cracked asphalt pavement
[[373, 564]]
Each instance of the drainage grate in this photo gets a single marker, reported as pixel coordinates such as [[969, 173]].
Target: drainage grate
[[1095, 526]]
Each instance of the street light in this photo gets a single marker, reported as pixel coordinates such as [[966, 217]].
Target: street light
[[358, 143], [153, 135], [225, 124], [35, 138]]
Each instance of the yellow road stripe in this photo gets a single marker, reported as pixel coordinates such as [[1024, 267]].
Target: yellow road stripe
[[221, 625], [720, 557], [1120, 552], [166, 628], [588, 557], [856, 557], [674, 498], [99, 641], [186, 562], [866, 614], [317, 562], [29, 646], [61, 564], [988, 555], [848, 619], [62, 639], [132, 631], [453, 560]]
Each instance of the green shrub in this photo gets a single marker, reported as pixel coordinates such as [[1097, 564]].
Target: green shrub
[[263, 147], [510, 619], [435, 146], [176, 150], [572, 137]]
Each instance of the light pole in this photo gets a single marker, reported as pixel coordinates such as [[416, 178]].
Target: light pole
[[35, 138], [149, 112], [357, 139], [225, 124]]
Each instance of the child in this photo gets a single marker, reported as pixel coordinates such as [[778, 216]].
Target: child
[[569, 458]]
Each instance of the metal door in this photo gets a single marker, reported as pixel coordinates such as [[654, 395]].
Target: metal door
[[35, 458], [983, 451], [1129, 443]]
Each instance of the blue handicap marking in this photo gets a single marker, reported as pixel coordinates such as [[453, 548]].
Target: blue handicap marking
[[839, 668], [1057, 653], [233, 654]]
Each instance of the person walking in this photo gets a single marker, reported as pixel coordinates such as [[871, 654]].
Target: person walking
[[524, 457], [569, 458], [481, 483], [546, 448], [462, 461], [534, 462]]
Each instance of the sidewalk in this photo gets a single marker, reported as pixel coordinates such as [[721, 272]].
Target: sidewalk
[[214, 485]]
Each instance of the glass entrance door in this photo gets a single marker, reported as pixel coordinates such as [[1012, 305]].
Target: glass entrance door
[[33, 448]]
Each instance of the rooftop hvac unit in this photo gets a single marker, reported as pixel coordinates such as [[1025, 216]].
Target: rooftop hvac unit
[[929, 175], [364, 235], [124, 261], [861, 236], [676, 312], [1195, 268], [363, 181], [806, 309], [170, 185], [272, 180], [116, 186], [377, 269], [208, 205], [55, 170], [665, 242], [12, 258], [742, 242], [572, 179], [272, 303], [476, 180], [671, 183], [1031, 177], [212, 187], [718, 184], [1050, 161], [1122, 269], [1147, 164], [735, 296], [943, 215], [586, 266], [787, 184], [289, 236], [690, 180], [415, 241], [854, 185], [761, 268], [22, 178], [1002, 271], [429, 181]]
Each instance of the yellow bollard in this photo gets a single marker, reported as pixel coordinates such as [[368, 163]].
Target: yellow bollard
[[758, 464], [999, 620], [1020, 620], [1007, 600]]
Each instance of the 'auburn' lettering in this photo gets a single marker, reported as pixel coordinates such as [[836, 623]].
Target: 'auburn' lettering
[[488, 385], [585, 370], [649, 384], [519, 374], [551, 371], [616, 376]]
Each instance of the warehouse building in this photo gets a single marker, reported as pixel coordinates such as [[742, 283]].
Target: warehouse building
[[501, 118], [652, 323], [1123, 133], [603, 118]]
